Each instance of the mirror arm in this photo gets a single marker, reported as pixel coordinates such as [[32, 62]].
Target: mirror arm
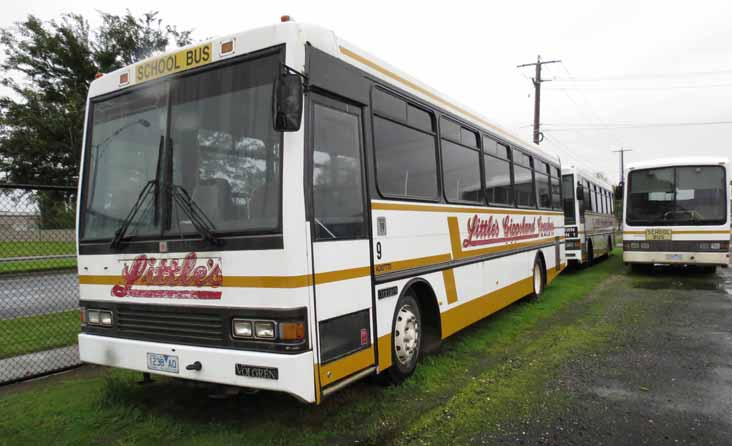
[[284, 69]]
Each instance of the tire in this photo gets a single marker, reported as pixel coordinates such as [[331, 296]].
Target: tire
[[406, 338], [590, 254], [609, 245], [538, 278]]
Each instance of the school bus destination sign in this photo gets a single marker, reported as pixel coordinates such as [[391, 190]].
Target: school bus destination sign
[[173, 63]]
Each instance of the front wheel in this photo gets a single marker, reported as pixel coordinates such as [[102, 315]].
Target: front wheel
[[538, 278], [406, 338]]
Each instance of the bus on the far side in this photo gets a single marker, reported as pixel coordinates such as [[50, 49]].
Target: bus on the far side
[[676, 212], [589, 223]]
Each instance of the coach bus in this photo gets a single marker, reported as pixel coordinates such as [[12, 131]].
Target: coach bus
[[676, 213], [280, 210], [589, 221]]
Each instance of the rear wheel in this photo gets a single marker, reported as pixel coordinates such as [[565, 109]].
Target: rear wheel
[[406, 338], [590, 253]]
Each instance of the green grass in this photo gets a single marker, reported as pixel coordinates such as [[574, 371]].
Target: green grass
[[37, 333], [494, 370], [10, 249]]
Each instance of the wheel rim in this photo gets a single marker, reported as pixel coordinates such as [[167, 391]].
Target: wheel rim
[[537, 279], [406, 334]]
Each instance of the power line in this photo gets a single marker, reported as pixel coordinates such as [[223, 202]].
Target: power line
[[564, 127], [638, 76], [669, 87]]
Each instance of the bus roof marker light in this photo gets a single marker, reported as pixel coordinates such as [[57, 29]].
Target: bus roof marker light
[[98, 75], [286, 18], [124, 78], [227, 47]]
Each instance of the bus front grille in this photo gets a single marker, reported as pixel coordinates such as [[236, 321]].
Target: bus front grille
[[169, 326]]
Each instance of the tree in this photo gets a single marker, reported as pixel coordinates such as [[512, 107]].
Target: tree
[[48, 69]]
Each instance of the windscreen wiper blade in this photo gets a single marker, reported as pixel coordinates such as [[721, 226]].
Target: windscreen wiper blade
[[198, 217], [149, 186]]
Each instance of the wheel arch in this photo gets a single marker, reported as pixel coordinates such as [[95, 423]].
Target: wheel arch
[[429, 309]]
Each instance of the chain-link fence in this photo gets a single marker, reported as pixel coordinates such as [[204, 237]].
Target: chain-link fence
[[39, 292]]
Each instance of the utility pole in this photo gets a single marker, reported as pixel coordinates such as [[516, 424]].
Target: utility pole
[[622, 162], [537, 80]]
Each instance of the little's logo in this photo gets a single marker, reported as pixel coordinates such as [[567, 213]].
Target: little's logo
[[487, 231], [143, 272]]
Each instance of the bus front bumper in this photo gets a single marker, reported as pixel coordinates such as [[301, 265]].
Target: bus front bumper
[[677, 258], [295, 372]]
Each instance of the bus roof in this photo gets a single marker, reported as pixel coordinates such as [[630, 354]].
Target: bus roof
[[679, 161], [586, 174], [325, 40]]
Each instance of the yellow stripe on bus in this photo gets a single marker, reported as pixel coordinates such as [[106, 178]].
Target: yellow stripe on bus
[[341, 368]]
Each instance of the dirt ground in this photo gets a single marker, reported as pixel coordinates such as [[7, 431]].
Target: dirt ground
[[664, 378]]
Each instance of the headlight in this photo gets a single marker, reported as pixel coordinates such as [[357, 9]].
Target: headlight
[[634, 245], [716, 246], [645, 246], [92, 317], [99, 317], [706, 246], [241, 329], [264, 329]]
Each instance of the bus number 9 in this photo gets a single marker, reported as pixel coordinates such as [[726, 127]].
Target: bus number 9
[[378, 250]]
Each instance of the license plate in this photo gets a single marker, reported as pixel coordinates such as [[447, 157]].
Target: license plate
[[162, 363], [658, 234], [251, 371]]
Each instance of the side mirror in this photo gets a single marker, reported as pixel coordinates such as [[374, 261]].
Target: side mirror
[[580, 193], [287, 102]]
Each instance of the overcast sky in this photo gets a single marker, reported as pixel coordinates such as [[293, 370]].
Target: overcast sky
[[635, 74]]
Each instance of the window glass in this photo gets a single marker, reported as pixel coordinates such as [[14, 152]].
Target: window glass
[[556, 193], [449, 129], [461, 173], [542, 190], [419, 118], [524, 186], [521, 158], [126, 135], [406, 163], [389, 105], [498, 188], [568, 190], [226, 154], [490, 146], [337, 189], [468, 137]]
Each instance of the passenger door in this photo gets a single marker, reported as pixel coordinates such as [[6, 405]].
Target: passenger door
[[340, 240]]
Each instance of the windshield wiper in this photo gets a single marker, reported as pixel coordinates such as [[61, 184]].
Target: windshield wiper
[[150, 185], [198, 217]]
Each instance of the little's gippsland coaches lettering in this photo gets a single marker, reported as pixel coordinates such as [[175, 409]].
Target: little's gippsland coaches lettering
[[280, 210]]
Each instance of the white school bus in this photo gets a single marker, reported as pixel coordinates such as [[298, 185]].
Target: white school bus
[[589, 221], [676, 213], [280, 210]]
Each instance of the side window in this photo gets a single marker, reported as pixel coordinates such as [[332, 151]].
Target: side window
[[496, 160], [542, 184], [556, 188], [523, 180], [405, 148], [460, 163], [337, 187]]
